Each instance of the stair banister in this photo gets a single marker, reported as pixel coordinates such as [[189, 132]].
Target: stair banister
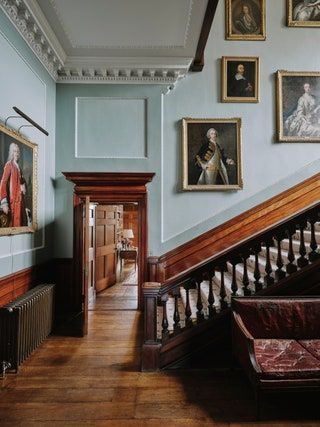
[[239, 256]]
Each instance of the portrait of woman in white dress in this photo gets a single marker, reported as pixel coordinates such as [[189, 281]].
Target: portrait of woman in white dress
[[298, 106], [303, 13], [305, 119], [306, 10]]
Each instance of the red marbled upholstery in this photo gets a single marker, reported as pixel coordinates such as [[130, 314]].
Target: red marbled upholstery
[[313, 347], [277, 341], [285, 359]]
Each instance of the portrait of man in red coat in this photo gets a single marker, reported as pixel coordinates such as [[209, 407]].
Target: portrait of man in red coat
[[13, 189]]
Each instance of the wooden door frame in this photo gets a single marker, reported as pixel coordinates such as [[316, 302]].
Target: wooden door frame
[[110, 188]]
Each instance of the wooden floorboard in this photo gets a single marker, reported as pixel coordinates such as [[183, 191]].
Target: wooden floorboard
[[95, 381]]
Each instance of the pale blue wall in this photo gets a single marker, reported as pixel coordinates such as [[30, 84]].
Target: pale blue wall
[[268, 167], [107, 135], [24, 83]]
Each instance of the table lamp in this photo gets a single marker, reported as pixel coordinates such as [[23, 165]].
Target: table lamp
[[127, 235]]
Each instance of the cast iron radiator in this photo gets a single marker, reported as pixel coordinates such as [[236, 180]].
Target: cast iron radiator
[[24, 324]]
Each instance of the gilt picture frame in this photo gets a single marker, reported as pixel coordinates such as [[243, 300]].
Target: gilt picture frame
[[211, 153], [297, 106], [245, 19], [303, 13], [18, 183], [240, 79]]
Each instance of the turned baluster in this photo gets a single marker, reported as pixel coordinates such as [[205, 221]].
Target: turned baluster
[[268, 279], [302, 261], [200, 315], [313, 255], [176, 314], [187, 311], [234, 285], [223, 294], [165, 323], [209, 276], [245, 277], [279, 273], [290, 267], [256, 273]]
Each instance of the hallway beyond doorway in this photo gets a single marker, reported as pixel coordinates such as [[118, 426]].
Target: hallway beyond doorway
[[121, 296]]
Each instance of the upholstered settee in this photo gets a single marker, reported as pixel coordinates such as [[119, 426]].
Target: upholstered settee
[[276, 340]]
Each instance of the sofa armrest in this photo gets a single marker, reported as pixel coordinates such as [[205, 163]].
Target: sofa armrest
[[243, 346]]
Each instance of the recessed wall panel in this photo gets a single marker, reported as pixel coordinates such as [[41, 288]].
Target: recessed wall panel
[[110, 128]]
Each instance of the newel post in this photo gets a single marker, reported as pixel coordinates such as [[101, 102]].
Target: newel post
[[151, 345]]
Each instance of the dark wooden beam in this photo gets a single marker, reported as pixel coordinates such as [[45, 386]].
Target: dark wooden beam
[[198, 62]]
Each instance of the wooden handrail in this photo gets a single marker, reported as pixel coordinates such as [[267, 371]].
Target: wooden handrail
[[244, 246], [297, 199]]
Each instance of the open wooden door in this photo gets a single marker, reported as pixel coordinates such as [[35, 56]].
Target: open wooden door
[[92, 254], [78, 322], [106, 245], [86, 264]]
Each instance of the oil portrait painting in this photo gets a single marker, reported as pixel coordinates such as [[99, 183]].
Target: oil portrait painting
[[303, 13], [240, 79], [245, 20], [298, 106], [18, 183], [211, 154]]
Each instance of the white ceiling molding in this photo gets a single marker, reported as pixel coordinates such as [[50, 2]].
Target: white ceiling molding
[[27, 25], [165, 67], [124, 70]]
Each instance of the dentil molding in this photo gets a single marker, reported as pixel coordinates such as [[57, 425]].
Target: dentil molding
[[26, 24], [30, 22]]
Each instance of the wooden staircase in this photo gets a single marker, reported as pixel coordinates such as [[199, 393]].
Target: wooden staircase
[[183, 306], [190, 309]]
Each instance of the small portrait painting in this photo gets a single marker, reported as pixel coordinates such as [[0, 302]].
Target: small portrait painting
[[211, 154], [298, 106], [18, 177], [303, 13], [239, 79], [245, 20]]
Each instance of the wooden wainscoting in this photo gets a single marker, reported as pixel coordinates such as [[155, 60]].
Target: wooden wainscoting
[[16, 284], [171, 265]]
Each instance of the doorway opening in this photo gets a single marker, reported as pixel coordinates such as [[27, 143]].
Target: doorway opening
[[103, 188], [113, 256]]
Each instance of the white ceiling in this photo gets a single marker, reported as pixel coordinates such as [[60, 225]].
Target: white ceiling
[[112, 40]]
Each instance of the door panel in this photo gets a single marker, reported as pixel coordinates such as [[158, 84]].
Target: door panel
[[91, 278], [86, 262], [106, 246]]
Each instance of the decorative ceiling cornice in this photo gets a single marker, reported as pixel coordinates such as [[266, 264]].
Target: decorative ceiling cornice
[[27, 25], [124, 70], [29, 20]]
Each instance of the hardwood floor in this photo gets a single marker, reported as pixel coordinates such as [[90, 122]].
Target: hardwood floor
[[96, 381]]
